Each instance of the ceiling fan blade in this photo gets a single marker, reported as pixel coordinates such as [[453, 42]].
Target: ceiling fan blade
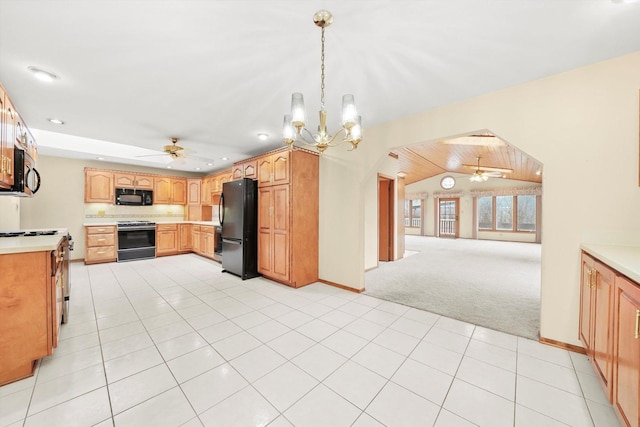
[[489, 168], [154, 155]]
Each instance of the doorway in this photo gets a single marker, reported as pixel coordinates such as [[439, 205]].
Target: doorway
[[386, 218], [448, 216]]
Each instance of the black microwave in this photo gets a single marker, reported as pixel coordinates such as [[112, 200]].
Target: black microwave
[[26, 178], [131, 197]]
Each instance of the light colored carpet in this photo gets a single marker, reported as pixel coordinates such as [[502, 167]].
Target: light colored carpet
[[487, 283]]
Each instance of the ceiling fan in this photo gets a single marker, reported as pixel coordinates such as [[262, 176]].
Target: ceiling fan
[[483, 173], [175, 151]]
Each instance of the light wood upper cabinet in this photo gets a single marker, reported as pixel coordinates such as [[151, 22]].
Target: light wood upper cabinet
[[98, 186], [170, 191], [274, 169], [6, 143], [237, 172], [205, 195], [193, 191], [250, 169], [130, 180]]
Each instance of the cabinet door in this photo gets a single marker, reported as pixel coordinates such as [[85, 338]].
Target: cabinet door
[[280, 168], [586, 296], [162, 190], [265, 224], [206, 191], [98, 187], [144, 182], [6, 143], [237, 172], [186, 236], [249, 169], [193, 191], [601, 337], [166, 242], [280, 237], [195, 240], [627, 351], [264, 171], [124, 180], [179, 191]]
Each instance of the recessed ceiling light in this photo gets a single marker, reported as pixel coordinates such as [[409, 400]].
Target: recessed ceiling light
[[44, 75], [56, 121], [100, 158], [209, 164], [224, 158], [197, 169], [168, 167], [263, 136]]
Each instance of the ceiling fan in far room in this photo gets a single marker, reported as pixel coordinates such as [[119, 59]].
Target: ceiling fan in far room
[[483, 173], [175, 151]]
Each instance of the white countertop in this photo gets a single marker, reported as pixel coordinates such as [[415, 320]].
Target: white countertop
[[21, 244], [625, 259]]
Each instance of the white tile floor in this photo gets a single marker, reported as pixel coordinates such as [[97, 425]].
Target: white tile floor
[[174, 341]]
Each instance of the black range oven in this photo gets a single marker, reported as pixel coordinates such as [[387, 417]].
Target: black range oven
[[136, 240]]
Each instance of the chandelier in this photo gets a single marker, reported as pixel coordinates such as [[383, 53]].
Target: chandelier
[[294, 130]]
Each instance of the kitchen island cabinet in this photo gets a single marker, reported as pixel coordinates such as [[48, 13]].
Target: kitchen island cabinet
[[610, 302], [31, 298]]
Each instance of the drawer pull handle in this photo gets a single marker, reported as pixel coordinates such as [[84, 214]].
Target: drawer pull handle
[[637, 334]]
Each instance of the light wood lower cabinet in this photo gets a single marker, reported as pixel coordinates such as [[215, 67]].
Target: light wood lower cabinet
[[610, 331], [101, 243], [185, 238], [30, 310], [596, 318], [166, 239], [627, 351]]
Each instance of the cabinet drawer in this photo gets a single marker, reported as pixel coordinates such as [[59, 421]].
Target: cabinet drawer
[[101, 230], [166, 227], [101, 253], [100, 240], [206, 229]]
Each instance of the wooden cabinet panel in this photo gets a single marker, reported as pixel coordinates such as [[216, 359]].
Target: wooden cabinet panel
[[207, 241], [186, 237], [250, 169], [6, 141], [205, 196], [166, 239], [195, 239], [132, 180], [237, 172], [100, 242], [264, 171], [98, 186], [193, 191], [595, 323], [627, 351], [27, 312], [280, 168], [170, 191], [179, 191], [273, 232]]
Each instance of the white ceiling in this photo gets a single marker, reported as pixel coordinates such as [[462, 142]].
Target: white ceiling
[[215, 73]]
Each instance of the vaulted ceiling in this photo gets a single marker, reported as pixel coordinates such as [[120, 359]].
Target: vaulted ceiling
[[484, 152]]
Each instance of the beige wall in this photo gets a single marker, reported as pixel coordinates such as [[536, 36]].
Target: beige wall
[[582, 125], [463, 184], [60, 200], [9, 213]]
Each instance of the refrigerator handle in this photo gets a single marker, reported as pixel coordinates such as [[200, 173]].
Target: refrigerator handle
[[221, 209]]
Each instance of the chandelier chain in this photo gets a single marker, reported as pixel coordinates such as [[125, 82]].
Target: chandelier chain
[[322, 72]]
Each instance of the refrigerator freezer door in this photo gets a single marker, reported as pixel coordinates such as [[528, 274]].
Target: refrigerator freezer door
[[232, 259]]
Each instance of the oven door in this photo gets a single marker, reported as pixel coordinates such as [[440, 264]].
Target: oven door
[[136, 243]]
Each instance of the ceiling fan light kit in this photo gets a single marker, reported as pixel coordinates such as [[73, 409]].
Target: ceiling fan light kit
[[294, 130]]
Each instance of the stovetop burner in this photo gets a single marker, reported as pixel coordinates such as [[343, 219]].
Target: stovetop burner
[[28, 233], [124, 224]]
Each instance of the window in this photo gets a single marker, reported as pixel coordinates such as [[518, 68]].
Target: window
[[526, 219], [504, 213], [412, 213], [507, 213], [485, 213]]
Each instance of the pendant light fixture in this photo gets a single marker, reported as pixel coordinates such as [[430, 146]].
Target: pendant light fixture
[[294, 130]]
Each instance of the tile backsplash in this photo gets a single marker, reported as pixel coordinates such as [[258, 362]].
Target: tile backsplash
[[99, 212]]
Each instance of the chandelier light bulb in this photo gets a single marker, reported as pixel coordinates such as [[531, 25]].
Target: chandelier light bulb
[[349, 112], [298, 116]]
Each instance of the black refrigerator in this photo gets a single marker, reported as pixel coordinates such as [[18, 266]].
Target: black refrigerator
[[238, 213]]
